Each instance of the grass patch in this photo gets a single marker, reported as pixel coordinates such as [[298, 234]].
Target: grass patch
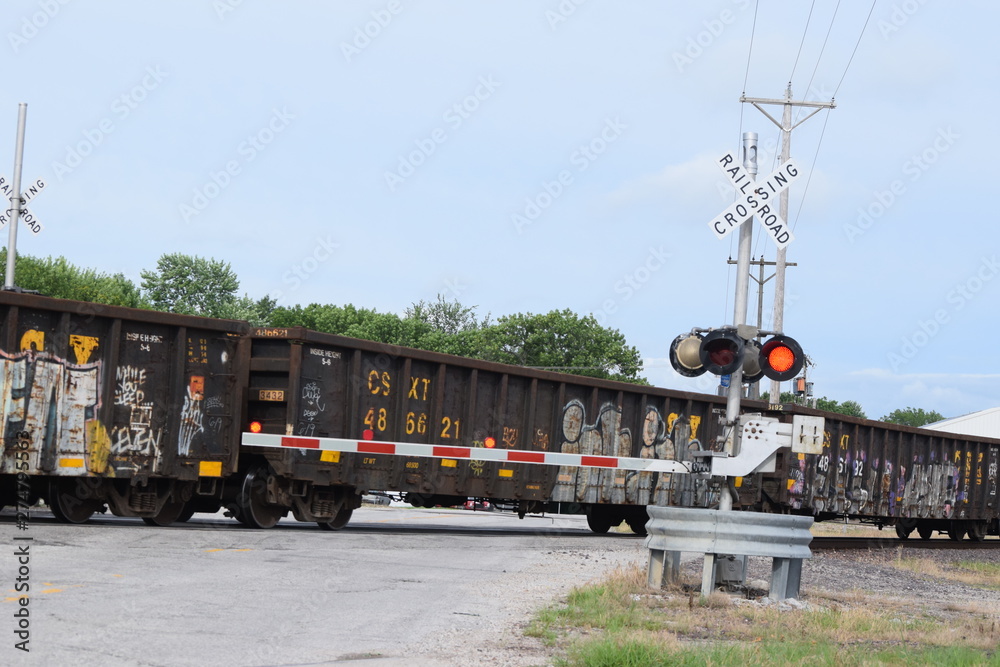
[[622, 623], [973, 573]]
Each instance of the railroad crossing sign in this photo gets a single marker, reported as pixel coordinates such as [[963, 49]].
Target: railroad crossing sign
[[755, 198], [29, 218]]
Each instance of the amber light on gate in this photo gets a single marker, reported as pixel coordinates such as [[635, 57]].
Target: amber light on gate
[[490, 443], [256, 427]]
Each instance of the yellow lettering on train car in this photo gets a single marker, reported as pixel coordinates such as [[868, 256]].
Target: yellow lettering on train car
[[33, 338], [83, 346], [412, 464], [379, 383], [694, 421], [415, 391]]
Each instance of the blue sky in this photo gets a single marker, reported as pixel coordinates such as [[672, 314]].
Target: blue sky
[[530, 156]]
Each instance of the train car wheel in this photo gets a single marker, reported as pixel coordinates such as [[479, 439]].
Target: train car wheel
[[168, 514], [956, 530], [904, 527], [186, 514], [338, 521], [925, 532], [598, 520], [638, 525], [977, 530], [254, 510], [67, 507]]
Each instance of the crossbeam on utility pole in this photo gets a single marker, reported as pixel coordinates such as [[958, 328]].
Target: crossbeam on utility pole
[[786, 127]]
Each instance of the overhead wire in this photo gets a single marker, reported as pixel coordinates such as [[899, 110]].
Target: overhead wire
[[856, 45], [805, 31], [819, 143]]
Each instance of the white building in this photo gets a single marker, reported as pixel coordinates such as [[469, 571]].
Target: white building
[[985, 423]]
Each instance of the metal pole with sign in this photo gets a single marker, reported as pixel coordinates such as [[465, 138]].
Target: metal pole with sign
[[15, 197]]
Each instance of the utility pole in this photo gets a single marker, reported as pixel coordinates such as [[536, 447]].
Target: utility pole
[[754, 389], [786, 127]]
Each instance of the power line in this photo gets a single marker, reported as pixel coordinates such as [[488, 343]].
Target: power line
[[812, 170], [825, 41], [851, 59], [804, 32]]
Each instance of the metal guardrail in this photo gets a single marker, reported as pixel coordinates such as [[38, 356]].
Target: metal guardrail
[[783, 538]]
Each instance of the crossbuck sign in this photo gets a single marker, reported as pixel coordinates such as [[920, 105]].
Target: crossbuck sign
[[755, 198], [26, 216]]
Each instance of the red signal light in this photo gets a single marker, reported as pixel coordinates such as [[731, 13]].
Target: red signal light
[[781, 358], [256, 427], [490, 442], [368, 434]]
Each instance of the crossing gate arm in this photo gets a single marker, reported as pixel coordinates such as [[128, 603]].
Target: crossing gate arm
[[270, 440]]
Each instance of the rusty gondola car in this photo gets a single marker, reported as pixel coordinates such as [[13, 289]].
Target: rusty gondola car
[[913, 479], [144, 412], [315, 385], [133, 410]]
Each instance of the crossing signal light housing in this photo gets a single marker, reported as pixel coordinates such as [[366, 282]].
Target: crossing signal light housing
[[685, 355], [781, 358], [721, 352], [752, 371]]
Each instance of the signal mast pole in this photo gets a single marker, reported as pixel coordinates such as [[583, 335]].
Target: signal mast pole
[[740, 311], [786, 128], [15, 198], [736, 379]]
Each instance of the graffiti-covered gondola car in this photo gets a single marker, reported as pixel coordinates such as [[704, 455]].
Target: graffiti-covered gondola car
[[914, 479], [130, 409], [304, 383]]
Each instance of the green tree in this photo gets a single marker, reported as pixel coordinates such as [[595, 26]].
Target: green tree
[[191, 285], [560, 341], [58, 278], [257, 313], [355, 322], [448, 317], [912, 417]]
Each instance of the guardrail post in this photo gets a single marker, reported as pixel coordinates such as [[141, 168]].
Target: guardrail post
[[786, 575], [664, 568], [781, 537]]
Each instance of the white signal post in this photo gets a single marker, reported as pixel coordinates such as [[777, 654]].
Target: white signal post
[[17, 200]]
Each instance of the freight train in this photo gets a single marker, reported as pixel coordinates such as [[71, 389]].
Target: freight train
[[159, 416]]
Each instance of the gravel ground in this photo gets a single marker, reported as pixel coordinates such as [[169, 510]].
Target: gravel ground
[[500, 641]]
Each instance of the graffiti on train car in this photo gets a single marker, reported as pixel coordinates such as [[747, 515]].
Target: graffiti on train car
[[843, 481], [605, 436], [137, 436], [58, 400], [192, 414], [55, 400]]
